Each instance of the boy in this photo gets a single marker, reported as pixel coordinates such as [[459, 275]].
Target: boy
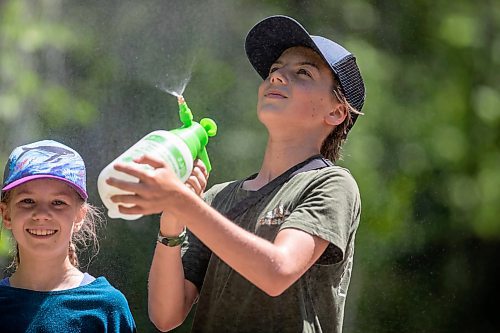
[[281, 261]]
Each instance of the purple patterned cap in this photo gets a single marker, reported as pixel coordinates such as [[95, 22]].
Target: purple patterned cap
[[45, 159]]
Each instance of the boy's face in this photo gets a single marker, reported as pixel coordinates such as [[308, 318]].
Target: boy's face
[[42, 215], [298, 94]]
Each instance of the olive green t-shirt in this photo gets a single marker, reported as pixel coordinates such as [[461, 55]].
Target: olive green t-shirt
[[324, 203]]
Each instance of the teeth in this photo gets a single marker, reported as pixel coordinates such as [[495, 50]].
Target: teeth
[[41, 232]]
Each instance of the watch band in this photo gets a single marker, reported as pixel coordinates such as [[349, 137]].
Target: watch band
[[172, 241]]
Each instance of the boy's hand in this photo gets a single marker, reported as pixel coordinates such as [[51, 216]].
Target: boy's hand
[[156, 187], [197, 182], [198, 179]]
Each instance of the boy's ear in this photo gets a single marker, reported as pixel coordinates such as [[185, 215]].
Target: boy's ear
[[5, 215], [337, 115]]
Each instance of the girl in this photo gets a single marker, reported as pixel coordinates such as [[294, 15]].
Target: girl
[[44, 204]]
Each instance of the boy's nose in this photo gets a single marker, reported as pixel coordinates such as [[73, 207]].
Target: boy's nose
[[277, 77]]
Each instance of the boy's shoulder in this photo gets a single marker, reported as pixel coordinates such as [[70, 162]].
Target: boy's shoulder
[[329, 180], [331, 173], [217, 188]]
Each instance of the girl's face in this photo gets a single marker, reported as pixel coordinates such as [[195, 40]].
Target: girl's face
[[42, 215], [298, 93]]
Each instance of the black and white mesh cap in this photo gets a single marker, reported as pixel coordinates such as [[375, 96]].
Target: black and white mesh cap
[[269, 38]]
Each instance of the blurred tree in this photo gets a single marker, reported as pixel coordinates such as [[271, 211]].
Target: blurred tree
[[426, 154], [39, 93]]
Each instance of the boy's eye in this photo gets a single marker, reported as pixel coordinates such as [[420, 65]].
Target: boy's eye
[[304, 72], [273, 69]]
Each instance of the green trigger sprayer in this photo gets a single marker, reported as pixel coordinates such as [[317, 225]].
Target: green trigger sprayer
[[178, 148], [194, 134]]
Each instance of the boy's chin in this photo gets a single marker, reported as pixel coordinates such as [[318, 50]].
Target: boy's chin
[[270, 115], [269, 110]]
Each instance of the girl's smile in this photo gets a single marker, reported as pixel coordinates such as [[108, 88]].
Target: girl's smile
[[42, 215], [41, 233]]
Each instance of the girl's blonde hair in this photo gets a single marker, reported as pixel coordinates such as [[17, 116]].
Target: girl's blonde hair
[[85, 237]]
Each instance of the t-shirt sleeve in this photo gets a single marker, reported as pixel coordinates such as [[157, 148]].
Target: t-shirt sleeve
[[195, 255], [107, 304], [124, 320], [195, 258], [329, 208]]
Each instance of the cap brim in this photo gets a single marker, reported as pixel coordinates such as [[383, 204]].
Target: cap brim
[[269, 38], [23, 180]]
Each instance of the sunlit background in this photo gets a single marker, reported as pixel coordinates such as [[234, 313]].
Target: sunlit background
[[426, 155]]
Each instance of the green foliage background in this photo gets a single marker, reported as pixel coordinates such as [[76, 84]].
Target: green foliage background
[[426, 154]]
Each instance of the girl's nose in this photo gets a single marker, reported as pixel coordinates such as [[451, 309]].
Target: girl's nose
[[41, 213]]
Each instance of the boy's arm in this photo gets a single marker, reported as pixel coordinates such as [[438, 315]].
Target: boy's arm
[[170, 296], [272, 267]]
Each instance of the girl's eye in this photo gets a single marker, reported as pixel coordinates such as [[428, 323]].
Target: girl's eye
[[27, 201], [58, 202]]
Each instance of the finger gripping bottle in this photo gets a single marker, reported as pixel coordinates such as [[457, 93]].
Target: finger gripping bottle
[[178, 148]]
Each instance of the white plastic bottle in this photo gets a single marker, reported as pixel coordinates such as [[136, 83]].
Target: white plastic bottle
[[163, 144], [178, 148]]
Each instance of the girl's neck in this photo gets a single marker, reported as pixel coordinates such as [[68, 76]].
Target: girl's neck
[[277, 160], [46, 275]]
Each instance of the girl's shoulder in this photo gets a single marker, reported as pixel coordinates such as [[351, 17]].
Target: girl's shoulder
[[98, 300], [99, 288], [102, 291], [87, 278]]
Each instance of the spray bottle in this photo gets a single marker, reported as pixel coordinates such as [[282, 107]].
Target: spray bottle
[[178, 148]]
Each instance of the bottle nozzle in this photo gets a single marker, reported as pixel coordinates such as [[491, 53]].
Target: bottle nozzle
[[180, 99], [184, 112], [194, 134]]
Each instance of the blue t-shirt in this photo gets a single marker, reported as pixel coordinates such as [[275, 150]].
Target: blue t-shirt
[[87, 278], [93, 307]]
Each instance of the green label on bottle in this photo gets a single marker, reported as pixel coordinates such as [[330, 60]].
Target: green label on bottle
[[161, 147], [155, 138], [179, 159]]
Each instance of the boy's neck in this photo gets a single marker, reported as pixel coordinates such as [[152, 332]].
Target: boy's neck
[[46, 275], [277, 160]]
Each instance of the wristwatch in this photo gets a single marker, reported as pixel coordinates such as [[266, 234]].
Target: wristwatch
[[172, 241]]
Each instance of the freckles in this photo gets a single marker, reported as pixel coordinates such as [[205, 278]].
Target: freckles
[[313, 113], [312, 108]]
